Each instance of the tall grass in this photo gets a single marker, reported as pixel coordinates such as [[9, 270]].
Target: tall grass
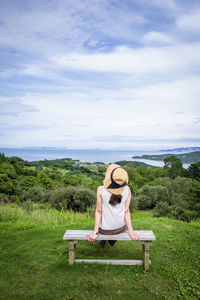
[[48, 217]]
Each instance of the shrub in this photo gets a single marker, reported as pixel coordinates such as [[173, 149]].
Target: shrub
[[181, 185], [154, 194], [134, 203], [6, 185], [189, 215], [8, 169], [162, 209], [77, 198], [35, 194], [179, 199], [177, 212], [27, 182], [143, 201], [28, 205]]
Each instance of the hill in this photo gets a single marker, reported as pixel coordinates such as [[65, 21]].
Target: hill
[[136, 164], [187, 149], [191, 157]]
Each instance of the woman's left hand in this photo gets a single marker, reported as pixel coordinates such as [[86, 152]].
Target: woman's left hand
[[92, 237]]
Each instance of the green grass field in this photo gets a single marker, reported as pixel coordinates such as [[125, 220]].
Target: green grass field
[[34, 259]]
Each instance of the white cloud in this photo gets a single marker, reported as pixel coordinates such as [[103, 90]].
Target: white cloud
[[190, 22], [134, 61], [155, 37], [14, 107], [84, 80], [128, 116], [58, 26]]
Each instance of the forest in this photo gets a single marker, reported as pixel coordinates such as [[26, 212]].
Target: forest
[[67, 184]]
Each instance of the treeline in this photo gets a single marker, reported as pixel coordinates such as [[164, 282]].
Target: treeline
[[190, 157], [68, 184], [170, 191], [62, 183]]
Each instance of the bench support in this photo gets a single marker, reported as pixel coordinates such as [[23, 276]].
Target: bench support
[[72, 251], [145, 255], [146, 237]]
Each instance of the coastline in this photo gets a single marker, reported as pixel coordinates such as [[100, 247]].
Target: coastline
[[83, 155]]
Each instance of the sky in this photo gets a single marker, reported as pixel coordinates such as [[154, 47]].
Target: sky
[[100, 74]]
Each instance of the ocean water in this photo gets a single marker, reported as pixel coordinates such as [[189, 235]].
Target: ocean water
[[105, 156]]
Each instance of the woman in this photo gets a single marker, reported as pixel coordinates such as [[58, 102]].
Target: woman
[[113, 200]]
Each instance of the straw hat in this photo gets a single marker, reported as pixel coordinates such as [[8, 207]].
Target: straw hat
[[116, 179]]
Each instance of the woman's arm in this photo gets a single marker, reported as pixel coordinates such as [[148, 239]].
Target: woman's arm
[[98, 213], [134, 236]]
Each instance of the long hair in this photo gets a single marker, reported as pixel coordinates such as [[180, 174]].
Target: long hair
[[115, 199]]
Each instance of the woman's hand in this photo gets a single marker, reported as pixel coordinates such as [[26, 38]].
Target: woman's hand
[[134, 236], [92, 237]]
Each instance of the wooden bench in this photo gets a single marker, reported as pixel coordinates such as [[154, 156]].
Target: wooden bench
[[146, 236]]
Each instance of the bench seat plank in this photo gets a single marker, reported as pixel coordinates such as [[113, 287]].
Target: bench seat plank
[[75, 235], [127, 262]]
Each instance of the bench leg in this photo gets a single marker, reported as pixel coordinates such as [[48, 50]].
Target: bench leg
[[72, 251], [145, 255]]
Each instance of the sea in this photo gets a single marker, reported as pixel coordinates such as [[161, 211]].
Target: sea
[[83, 155]]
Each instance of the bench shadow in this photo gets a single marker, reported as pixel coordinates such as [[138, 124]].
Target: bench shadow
[[121, 250]]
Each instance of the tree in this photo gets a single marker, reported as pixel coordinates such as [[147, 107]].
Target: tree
[[149, 195], [8, 169], [6, 185], [194, 171], [173, 166]]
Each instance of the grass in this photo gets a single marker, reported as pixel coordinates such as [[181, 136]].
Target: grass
[[34, 259]]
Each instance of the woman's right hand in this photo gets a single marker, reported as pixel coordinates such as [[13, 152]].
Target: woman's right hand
[[92, 237], [134, 236]]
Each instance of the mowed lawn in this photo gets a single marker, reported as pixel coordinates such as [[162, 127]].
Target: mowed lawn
[[34, 259]]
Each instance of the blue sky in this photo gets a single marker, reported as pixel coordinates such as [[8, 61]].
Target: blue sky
[[100, 74]]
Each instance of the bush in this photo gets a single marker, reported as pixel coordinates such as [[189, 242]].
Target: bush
[[190, 215], [162, 209], [6, 185], [28, 206], [35, 194], [154, 194], [27, 182], [177, 212], [179, 199], [143, 202], [133, 204], [8, 169], [181, 185], [77, 198]]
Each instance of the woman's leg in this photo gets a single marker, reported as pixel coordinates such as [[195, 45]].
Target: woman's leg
[[101, 243], [112, 242]]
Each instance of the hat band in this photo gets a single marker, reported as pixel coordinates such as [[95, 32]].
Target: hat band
[[115, 185]]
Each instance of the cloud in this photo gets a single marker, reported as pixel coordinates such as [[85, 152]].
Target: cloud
[[60, 25], [24, 127], [99, 73], [190, 22], [154, 37], [134, 61], [125, 117], [14, 107]]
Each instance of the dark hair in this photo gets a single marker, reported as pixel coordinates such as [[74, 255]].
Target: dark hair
[[115, 199]]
